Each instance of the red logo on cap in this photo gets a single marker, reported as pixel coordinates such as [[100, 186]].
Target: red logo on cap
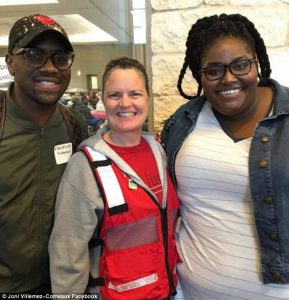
[[45, 20]]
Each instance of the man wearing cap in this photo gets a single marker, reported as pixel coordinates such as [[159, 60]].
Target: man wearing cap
[[37, 141]]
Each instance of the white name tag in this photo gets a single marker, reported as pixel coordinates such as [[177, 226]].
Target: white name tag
[[62, 153]]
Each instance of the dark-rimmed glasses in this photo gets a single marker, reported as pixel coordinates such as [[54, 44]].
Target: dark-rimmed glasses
[[36, 58], [238, 68]]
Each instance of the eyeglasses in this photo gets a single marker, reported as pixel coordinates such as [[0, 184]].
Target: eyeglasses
[[237, 68], [36, 58]]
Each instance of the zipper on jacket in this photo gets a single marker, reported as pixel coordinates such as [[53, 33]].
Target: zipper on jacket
[[164, 223], [42, 131]]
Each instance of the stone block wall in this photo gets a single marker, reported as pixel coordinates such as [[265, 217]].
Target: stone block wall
[[169, 26]]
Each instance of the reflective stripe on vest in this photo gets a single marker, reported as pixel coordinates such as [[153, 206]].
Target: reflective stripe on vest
[[114, 195], [134, 284]]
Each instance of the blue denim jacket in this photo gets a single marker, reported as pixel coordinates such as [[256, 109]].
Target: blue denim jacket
[[268, 172]]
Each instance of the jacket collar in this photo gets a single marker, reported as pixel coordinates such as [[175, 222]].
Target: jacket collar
[[280, 94]]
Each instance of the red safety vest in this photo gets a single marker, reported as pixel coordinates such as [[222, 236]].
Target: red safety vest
[[138, 259]]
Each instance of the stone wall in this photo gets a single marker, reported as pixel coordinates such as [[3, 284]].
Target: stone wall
[[169, 26]]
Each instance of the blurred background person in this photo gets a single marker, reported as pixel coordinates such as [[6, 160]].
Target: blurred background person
[[93, 99]]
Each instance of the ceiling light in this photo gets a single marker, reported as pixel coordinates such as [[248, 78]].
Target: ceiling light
[[79, 30], [82, 31], [25, 2]]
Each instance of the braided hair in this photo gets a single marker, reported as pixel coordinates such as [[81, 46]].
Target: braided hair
[[207, 30]]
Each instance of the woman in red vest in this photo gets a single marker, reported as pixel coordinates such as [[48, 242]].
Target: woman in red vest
[[116, 208]]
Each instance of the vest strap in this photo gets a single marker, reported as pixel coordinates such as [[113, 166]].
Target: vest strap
[[114, 196], [95, 242], [72, 125], [2, 112], [118, 209], [98, 281]]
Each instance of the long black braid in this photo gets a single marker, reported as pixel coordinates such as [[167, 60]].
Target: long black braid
[[207, 30]]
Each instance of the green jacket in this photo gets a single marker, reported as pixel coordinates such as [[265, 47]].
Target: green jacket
[[29, 178]]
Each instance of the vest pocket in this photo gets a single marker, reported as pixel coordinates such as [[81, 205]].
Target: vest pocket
[[132, 268]]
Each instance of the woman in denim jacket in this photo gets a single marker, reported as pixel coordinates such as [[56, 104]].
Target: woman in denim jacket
[[228, 152]]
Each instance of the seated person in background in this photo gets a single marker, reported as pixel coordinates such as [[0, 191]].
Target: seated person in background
[[81, 105], [93, 99]]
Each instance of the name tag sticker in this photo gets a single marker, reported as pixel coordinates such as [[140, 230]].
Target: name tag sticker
[[62, 153]]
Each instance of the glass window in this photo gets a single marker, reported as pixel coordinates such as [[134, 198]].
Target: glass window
[[139, 21], [98, 29]]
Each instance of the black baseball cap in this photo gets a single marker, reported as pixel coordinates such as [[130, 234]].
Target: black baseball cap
[[28, 28]]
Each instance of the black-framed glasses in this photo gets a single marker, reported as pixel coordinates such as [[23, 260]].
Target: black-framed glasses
[[36, 58], [238, 68]]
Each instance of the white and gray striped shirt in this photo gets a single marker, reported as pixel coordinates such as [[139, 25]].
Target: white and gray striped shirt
[[218, 241]]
